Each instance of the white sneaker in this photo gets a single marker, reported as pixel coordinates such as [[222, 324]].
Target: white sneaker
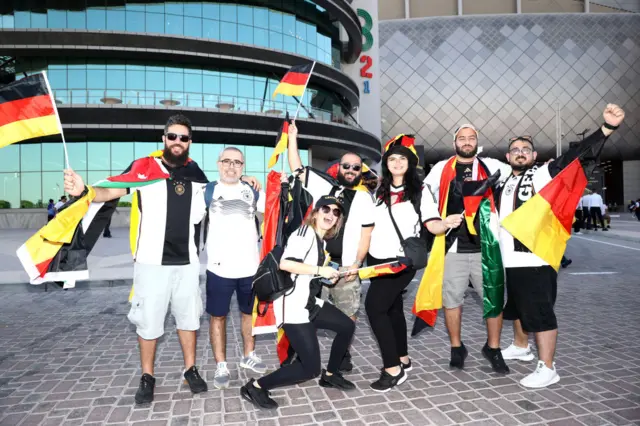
[[542, 377], [577, 233], [222, 377], [253, 362], [516, 352]]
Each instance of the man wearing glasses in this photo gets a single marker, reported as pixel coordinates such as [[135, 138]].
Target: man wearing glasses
[[532, 282], [349, 248], [233, 258], [166, 264]]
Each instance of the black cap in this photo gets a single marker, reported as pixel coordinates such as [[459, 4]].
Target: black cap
[[327, 200]]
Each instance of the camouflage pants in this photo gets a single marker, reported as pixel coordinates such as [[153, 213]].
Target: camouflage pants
[[344, 295]]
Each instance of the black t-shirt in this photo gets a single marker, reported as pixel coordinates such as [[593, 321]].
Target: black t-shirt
[[467, 243], [334, 245]]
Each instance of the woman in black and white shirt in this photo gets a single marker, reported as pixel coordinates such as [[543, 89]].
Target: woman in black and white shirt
[[401, 190], [302, 312]]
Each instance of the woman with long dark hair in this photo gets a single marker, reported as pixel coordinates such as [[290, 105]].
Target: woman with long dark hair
[[400, 198], [302, 312]]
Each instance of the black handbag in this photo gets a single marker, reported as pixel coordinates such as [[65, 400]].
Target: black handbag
[[413, 248]]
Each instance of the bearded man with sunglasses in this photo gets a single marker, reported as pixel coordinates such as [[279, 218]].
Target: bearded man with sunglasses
[[532, 282], [166, 261], [350, 247]]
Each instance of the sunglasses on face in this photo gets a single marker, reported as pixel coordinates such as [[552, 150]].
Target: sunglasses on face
[[326, 210], [174, 136], [354, 167], [234, 163]]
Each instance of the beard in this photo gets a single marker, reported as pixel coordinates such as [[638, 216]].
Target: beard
[[464, 154], [520, 167], [175, 160], [342, 180]]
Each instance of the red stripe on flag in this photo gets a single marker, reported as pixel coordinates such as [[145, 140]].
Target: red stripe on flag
[[24, 109], [428, 316], [295, 78], [564, 192]]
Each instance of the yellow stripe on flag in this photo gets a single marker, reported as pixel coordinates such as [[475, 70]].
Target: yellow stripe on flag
[[280, 148], [535, 225], [429, 295], [289, 89], [28, 129]]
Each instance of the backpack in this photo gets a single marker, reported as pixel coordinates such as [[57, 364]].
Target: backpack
[[208, 199], [270, 282]]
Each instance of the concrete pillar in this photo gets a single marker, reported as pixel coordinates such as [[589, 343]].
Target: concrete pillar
[[518, 6], [407, 9], [631, 180], [460, 7], [586, 6]]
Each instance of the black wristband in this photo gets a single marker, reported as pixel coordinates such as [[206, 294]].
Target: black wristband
[[609, 126]]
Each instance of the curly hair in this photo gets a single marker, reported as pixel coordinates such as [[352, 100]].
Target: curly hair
[[412, 185]]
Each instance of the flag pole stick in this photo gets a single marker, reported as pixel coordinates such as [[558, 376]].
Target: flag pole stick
[[55, 109], [451, 229], [305, 89], [395, 262]]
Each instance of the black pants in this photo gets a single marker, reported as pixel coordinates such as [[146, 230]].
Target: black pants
[[579, 223], [385, 311], [586, 218], [107, 231], [596, 214], [304, 340]]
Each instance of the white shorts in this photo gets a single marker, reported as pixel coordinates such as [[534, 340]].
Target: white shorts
[[154, 287]]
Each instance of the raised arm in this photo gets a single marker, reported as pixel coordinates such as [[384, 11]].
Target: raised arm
[[295, 163], [74, 186]]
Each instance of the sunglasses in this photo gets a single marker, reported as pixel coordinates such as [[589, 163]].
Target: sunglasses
[[326, 210], [354, 167], [174, 136], [526, 138], [524, 151]]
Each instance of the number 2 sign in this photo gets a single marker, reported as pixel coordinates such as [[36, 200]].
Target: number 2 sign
[[368, 43]]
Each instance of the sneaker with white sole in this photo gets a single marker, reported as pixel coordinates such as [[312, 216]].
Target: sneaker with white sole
[[542, 377], [222, 377], [254, 363], [516, 352]]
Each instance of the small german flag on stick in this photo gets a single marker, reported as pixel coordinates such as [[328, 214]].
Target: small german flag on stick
[[27, 111], [294, 83]]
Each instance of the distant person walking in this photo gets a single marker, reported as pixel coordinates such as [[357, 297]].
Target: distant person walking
[[51, 210], [584, 203], [596, 211]]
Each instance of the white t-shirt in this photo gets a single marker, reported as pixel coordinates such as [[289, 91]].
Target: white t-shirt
[[385, 243], [435, 176], [595, 200], [510, 257], [360, 213], [584, 201], [293, 308], [232, 241]]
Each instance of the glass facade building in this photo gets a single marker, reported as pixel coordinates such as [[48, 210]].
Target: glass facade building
[[120, 68]]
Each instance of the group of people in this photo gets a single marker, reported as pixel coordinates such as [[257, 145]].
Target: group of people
[[349, 227], [592, 208]]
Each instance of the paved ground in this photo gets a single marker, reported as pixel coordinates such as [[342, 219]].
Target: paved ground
[[70, 358]]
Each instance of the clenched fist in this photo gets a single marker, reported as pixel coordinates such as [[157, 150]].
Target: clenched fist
[[73, 183], [613, 115]]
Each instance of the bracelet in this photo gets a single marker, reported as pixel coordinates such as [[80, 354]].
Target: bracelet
[[609, 126]]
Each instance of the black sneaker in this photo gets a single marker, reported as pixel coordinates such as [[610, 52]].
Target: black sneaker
[[458, 355], [566, 263], [495, 358], [335, 381], [387, 381], [145, 390], [346, 365], [605, 229], [257, 396], [195, 381], [407, 366]]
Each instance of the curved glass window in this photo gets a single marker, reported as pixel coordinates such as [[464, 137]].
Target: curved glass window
[[258, 26], [117, 82], [31, 173]]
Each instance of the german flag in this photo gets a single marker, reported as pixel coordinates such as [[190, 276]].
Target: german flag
[[27, 110], [282, 142], [294, 81], [379, 270], [543, 224], [473, 192]]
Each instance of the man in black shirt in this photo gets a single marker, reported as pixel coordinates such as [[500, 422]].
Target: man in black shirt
[[463, 259]]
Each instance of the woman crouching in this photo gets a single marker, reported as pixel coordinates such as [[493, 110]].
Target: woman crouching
[[302, 312]]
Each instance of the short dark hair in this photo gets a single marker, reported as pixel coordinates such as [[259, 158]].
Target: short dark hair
[[178, 119], [351, 153], [51, 200]]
